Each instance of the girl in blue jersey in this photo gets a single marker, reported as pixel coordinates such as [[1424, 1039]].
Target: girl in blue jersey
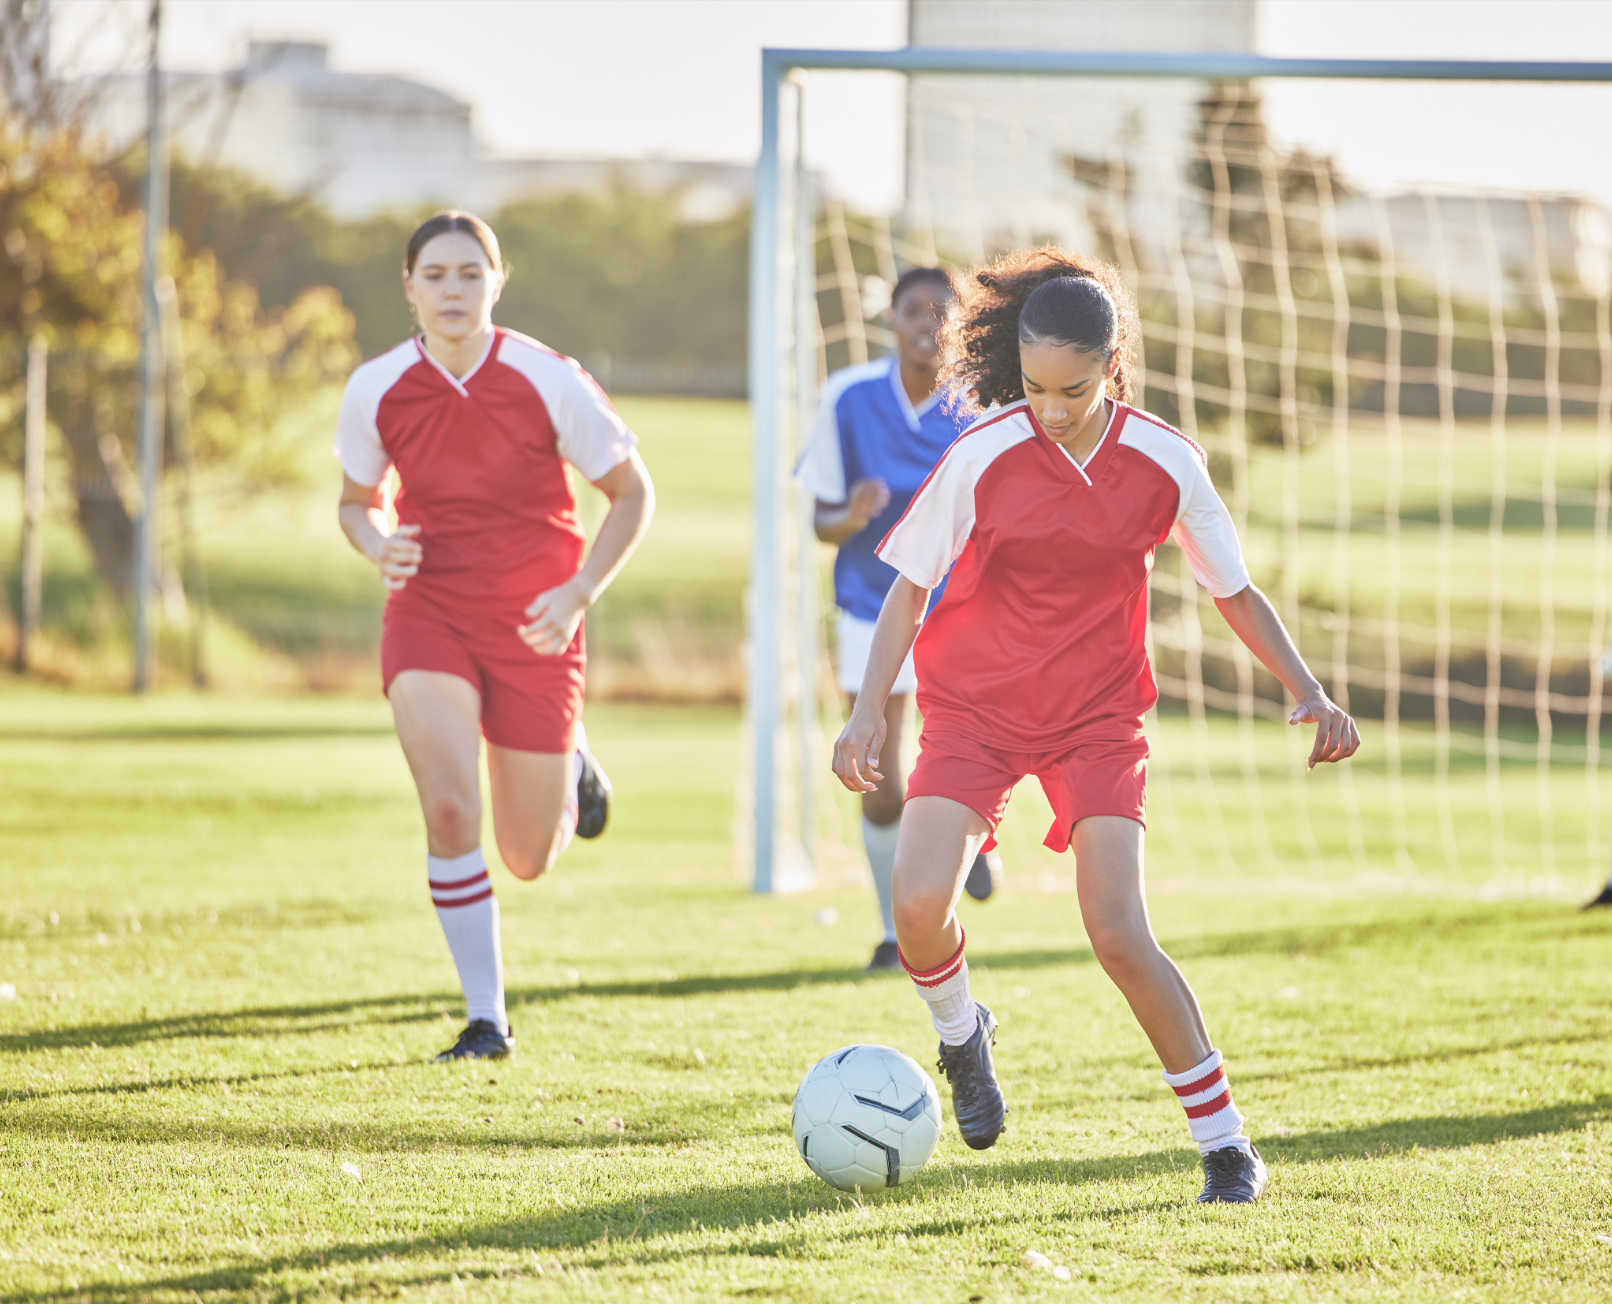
[[880, 430]]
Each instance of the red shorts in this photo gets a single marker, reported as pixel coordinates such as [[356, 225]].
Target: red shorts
[[529, 703], [1097, 777]]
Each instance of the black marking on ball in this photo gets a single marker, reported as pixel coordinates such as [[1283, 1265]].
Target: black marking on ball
[[909, 1113], [845, 1055], [892, 1157]]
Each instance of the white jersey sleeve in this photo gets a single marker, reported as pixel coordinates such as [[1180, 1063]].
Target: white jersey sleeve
[[1203, 527], [591, 436], [935, 528], [822, 468], [358, 435]]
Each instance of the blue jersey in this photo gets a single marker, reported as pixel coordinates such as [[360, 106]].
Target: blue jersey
[[867, 429]]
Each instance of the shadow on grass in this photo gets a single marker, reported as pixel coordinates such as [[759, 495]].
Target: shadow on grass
[[297, 1020], [760, 1218], [1398, 936]]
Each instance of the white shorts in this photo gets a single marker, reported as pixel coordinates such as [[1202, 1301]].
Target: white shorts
[[855, 642]]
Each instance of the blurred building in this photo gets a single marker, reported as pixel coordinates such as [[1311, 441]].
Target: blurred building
[[1473, 241], [988, 162], [364, 143]]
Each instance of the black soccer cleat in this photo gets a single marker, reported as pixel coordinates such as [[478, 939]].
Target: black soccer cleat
[[977, 1102], [1605, 899], [593, 792], [885, 956], [1233, 1176], [480, 1040], [983, 876]]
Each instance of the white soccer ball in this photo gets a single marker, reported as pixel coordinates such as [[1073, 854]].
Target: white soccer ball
[[866, 1117]]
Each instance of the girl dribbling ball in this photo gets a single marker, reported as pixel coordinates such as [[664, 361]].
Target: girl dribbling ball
[[1051, 506]]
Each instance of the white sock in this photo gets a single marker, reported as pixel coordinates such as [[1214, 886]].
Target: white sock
[[945, 990], [1206, 1096], [468, 913], [569, 812], [880, 841]]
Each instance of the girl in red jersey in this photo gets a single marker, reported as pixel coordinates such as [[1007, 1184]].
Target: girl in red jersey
[[1034, 662], [483, 626]]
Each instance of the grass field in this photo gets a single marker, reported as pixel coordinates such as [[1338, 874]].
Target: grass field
[[227, 974]]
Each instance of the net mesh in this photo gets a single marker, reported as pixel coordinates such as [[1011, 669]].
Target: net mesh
[[1406, 397]]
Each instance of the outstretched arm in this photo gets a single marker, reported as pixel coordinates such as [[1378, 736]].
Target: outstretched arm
[[557, 613], [1254, 620], [856, 753]]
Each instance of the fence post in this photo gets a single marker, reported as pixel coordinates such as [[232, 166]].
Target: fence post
[[33, 505]]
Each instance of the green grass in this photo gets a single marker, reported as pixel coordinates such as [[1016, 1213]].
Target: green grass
[[228, 973]]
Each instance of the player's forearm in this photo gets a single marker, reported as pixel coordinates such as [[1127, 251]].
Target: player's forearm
[[1254, 620], [893, 635], [365, 528], [631, 510], [837, 524]]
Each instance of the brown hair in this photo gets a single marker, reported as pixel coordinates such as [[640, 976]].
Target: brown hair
[[454, 220], [982, 337]]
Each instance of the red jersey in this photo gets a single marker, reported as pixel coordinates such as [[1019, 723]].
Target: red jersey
[[1040, 640], [481, 463]]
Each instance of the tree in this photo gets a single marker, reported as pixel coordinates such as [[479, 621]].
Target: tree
[[70, 271]]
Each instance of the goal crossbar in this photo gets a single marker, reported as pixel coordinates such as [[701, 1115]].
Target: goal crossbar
[[766, 327]]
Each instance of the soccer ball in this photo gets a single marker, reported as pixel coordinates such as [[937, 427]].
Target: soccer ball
[[866, 1117]]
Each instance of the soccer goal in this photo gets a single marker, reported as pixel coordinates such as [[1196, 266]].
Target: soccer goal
[[1404, 386]]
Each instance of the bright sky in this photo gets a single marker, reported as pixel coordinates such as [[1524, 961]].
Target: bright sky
[[680, 77]]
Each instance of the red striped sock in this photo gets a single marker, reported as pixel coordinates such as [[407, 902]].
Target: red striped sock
[[945, 990], [1205, 1094], [468, 912]]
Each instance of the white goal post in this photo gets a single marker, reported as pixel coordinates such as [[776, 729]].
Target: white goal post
[[781, 613]]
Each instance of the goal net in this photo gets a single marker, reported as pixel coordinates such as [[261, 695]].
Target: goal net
[[1405, 391]]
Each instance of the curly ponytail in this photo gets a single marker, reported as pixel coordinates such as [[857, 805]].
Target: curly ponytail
[[982, 337]]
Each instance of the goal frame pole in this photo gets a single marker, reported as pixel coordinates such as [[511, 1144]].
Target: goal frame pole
[[769, 504]]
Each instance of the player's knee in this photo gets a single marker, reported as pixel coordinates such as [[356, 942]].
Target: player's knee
[[525, 867], [921, 914], [526, 863], [1123, 950], [452, 818], [883, 806]]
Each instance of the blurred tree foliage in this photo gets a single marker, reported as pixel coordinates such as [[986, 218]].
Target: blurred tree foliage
[[620, 273], [70, 235]]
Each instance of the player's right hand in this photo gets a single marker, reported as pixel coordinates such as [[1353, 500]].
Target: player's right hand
[[400, 556], [867, 499], [856, 752]]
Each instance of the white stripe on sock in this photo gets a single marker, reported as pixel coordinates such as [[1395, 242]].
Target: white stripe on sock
[[1222, 1128], [471, 927], [951, 1008]]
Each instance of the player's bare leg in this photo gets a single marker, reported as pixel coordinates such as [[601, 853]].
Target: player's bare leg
[[939, 839], [1113, 905], [438, 719], [534, 807], [1108, 875], [881, 820]]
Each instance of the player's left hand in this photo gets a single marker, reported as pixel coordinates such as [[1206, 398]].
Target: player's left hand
[[1336, 737], [555, 617]]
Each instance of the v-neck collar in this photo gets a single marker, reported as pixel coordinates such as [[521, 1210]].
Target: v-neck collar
[[904, 401], [1075, 472], [460, 383]]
